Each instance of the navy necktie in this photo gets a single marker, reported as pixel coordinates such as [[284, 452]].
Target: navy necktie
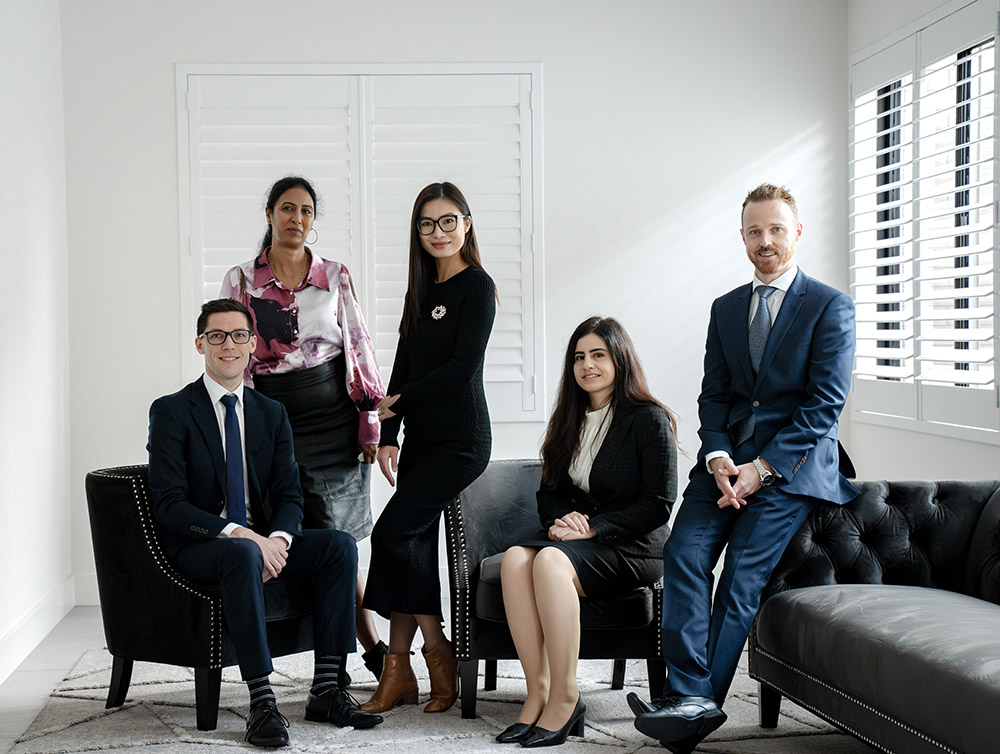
[[236, 507], [760, 327]]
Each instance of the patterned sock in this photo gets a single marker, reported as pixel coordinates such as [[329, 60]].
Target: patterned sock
[[260, 691], [328, 673]]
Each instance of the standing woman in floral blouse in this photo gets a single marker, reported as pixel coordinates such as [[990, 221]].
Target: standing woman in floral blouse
[[314, 355], [436, 390]]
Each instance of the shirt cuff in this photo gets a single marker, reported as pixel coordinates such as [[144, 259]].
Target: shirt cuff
[[368, 428], [284, 535], [714, 454], [227, 530]]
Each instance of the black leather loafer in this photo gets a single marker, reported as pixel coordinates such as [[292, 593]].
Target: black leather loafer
[[338, 707], [514, 734], [266, 726], [678, 718]]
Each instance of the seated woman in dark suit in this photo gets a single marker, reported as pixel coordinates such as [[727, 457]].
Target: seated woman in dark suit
[[609, 479]]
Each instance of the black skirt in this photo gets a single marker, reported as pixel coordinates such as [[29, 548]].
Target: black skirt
[[601, 568], [324, 423]]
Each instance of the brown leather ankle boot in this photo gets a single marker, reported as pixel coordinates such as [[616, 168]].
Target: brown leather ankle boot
[[397, 685], [443, 670]]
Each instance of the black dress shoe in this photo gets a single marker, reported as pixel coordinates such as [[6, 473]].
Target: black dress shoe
[[514, 734], [266, 726], [684, 746], [574, 727], [374, 659], [338, 707], [640, 706], [680, 718]]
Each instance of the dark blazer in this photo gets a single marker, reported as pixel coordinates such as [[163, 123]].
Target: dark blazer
[[792, 405], [633, 484], [187, 468]]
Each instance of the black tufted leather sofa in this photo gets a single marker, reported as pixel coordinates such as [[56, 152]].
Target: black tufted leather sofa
[[883, 617], [152, 613]]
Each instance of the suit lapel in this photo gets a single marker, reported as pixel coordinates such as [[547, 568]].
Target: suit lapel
[[735, 319], [253, 426], [203, 414], [783, 323], [617, 432]]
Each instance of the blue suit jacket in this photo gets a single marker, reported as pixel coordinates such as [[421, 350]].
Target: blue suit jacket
[[187, 467], [792, 406]]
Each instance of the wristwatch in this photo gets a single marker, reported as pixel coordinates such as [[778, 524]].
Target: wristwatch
[[767, 478]]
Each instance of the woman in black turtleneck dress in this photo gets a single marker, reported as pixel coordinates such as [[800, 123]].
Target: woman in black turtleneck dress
[[437, 387]]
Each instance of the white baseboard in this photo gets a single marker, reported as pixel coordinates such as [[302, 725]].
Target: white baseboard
[[21, 640], [86, 589]]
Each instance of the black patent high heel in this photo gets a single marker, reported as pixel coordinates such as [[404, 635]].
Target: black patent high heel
[[574, 727], [514, 734]]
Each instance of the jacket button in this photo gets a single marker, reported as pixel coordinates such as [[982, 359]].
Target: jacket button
[[755, 404]]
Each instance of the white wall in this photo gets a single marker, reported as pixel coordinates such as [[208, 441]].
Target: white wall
[[882, 452], [36, 587], [659, 116]]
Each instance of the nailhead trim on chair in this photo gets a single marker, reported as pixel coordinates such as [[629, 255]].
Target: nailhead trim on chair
[[839, 692], [152, 542], [459, 567]]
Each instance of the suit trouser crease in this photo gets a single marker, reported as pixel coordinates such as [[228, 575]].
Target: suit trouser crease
[[326, 558], [702, 640]]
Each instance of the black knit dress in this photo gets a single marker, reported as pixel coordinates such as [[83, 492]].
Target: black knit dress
[[438, 374]]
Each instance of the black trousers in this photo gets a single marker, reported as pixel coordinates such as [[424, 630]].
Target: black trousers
[[326, 558]]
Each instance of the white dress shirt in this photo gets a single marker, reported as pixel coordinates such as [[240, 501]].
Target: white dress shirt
[[781, 284], [215, 394], [592, 434]]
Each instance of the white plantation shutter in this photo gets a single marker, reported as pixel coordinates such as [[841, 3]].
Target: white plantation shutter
[[474, 131], [923, 224], [369, 142], [248, 131]]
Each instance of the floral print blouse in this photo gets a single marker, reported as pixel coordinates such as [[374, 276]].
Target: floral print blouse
[[308, 326]]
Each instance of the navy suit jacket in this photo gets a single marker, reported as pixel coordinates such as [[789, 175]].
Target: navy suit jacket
[[187, 467], [791, 408]]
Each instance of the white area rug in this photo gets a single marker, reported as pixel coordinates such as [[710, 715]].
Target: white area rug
[[159, 716]]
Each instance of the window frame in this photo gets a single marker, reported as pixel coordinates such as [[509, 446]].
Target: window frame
[[364, 262], [887, 403]]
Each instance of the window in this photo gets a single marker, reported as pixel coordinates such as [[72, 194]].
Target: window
[[923, 224], [369, 142]]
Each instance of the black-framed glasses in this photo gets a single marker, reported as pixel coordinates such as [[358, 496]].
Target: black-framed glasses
[[218, 337], [447, 223]]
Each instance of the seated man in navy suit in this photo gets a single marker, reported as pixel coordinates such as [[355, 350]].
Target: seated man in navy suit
[[225, 486], [778, 362]]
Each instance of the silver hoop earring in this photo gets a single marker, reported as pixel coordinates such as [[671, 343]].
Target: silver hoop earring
[[315, 239]]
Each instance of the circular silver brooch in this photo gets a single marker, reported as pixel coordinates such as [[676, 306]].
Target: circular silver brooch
[[439, 312]]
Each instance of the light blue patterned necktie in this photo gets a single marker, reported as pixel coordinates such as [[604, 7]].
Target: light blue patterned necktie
[[760, 327], [236, 505]]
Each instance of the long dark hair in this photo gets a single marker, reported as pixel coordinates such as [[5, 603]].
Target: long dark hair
[[562, 436], [423, 268], [280, 187]]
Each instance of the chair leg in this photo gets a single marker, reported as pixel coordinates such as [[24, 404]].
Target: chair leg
[[121, 677], [490, 675], [207, 682], [618, 675], [468, 671], [657, 672], [770, 705]]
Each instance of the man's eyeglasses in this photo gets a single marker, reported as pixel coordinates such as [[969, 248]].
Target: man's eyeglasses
[[447, 223], [218, 337]]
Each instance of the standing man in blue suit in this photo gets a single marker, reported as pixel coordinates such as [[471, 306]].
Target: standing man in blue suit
[[225, 486], [778, 365]]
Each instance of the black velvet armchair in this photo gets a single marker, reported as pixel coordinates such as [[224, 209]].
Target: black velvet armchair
[[151, 613], [494, 513]]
